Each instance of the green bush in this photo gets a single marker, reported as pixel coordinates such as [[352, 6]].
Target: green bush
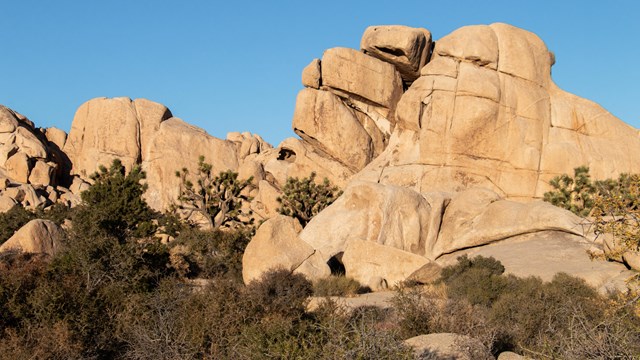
[[477, 280], [210, 253], [304, 198], [280, 292], [114, 206], [564, 318], [338, 286]]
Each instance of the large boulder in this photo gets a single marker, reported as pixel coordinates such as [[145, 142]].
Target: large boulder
[[387, 215], [546, 253], [17, 167], [311, 75], [379, 266], [37, 236], [276, 245], [104, 129], [364, 76], [406, 48], [479, 216], [325, 122]]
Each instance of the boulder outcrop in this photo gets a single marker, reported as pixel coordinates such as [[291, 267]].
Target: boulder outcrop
[[265, 251], [443, 148], [485, 112]]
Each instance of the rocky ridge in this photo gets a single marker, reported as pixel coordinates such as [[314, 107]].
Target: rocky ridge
[[442, 147]]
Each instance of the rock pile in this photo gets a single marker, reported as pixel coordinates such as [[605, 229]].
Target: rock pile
[[433, 142]]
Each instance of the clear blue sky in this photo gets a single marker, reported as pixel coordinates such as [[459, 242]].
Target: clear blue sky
[[235, 65]]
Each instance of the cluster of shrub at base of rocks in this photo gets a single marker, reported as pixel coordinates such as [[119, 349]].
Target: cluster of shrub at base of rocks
[[121, 302], [117, 291]]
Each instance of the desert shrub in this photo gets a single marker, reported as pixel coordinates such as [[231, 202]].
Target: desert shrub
[[211, 253], [218, 199], [573, 193], [40, 342], [415, 309], [19, 276], [280, 292], [478, 280], [564, 318], [555, 319], [13, 220], [337, 286], [425, 311], [365, 332], [57, 213], [113, 205], [304, 198], [157, 325]]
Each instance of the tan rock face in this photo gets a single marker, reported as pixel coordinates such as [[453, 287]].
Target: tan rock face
[[17, 167], [486, 113], [104, 129], [379, 266], [37, 236], [353, 72], [175, 145], [430, 224], [405, 47], [322, 120], [296, 158]]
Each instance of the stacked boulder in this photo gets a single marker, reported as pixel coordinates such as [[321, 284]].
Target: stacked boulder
[[346, 111], [31, 163], [436, 167]]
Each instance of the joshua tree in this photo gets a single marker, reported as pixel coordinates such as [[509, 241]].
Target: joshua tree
[[304, 198], [218, 198]]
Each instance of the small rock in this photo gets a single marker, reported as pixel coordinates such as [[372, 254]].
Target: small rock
[[311, 76], [449, 346]]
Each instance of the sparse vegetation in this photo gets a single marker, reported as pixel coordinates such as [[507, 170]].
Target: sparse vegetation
[[218, 199], [338, 286], [304, 198], [563, 318], [116, 292]]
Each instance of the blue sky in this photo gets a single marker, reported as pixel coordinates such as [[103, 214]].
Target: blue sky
[[235, 65]]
